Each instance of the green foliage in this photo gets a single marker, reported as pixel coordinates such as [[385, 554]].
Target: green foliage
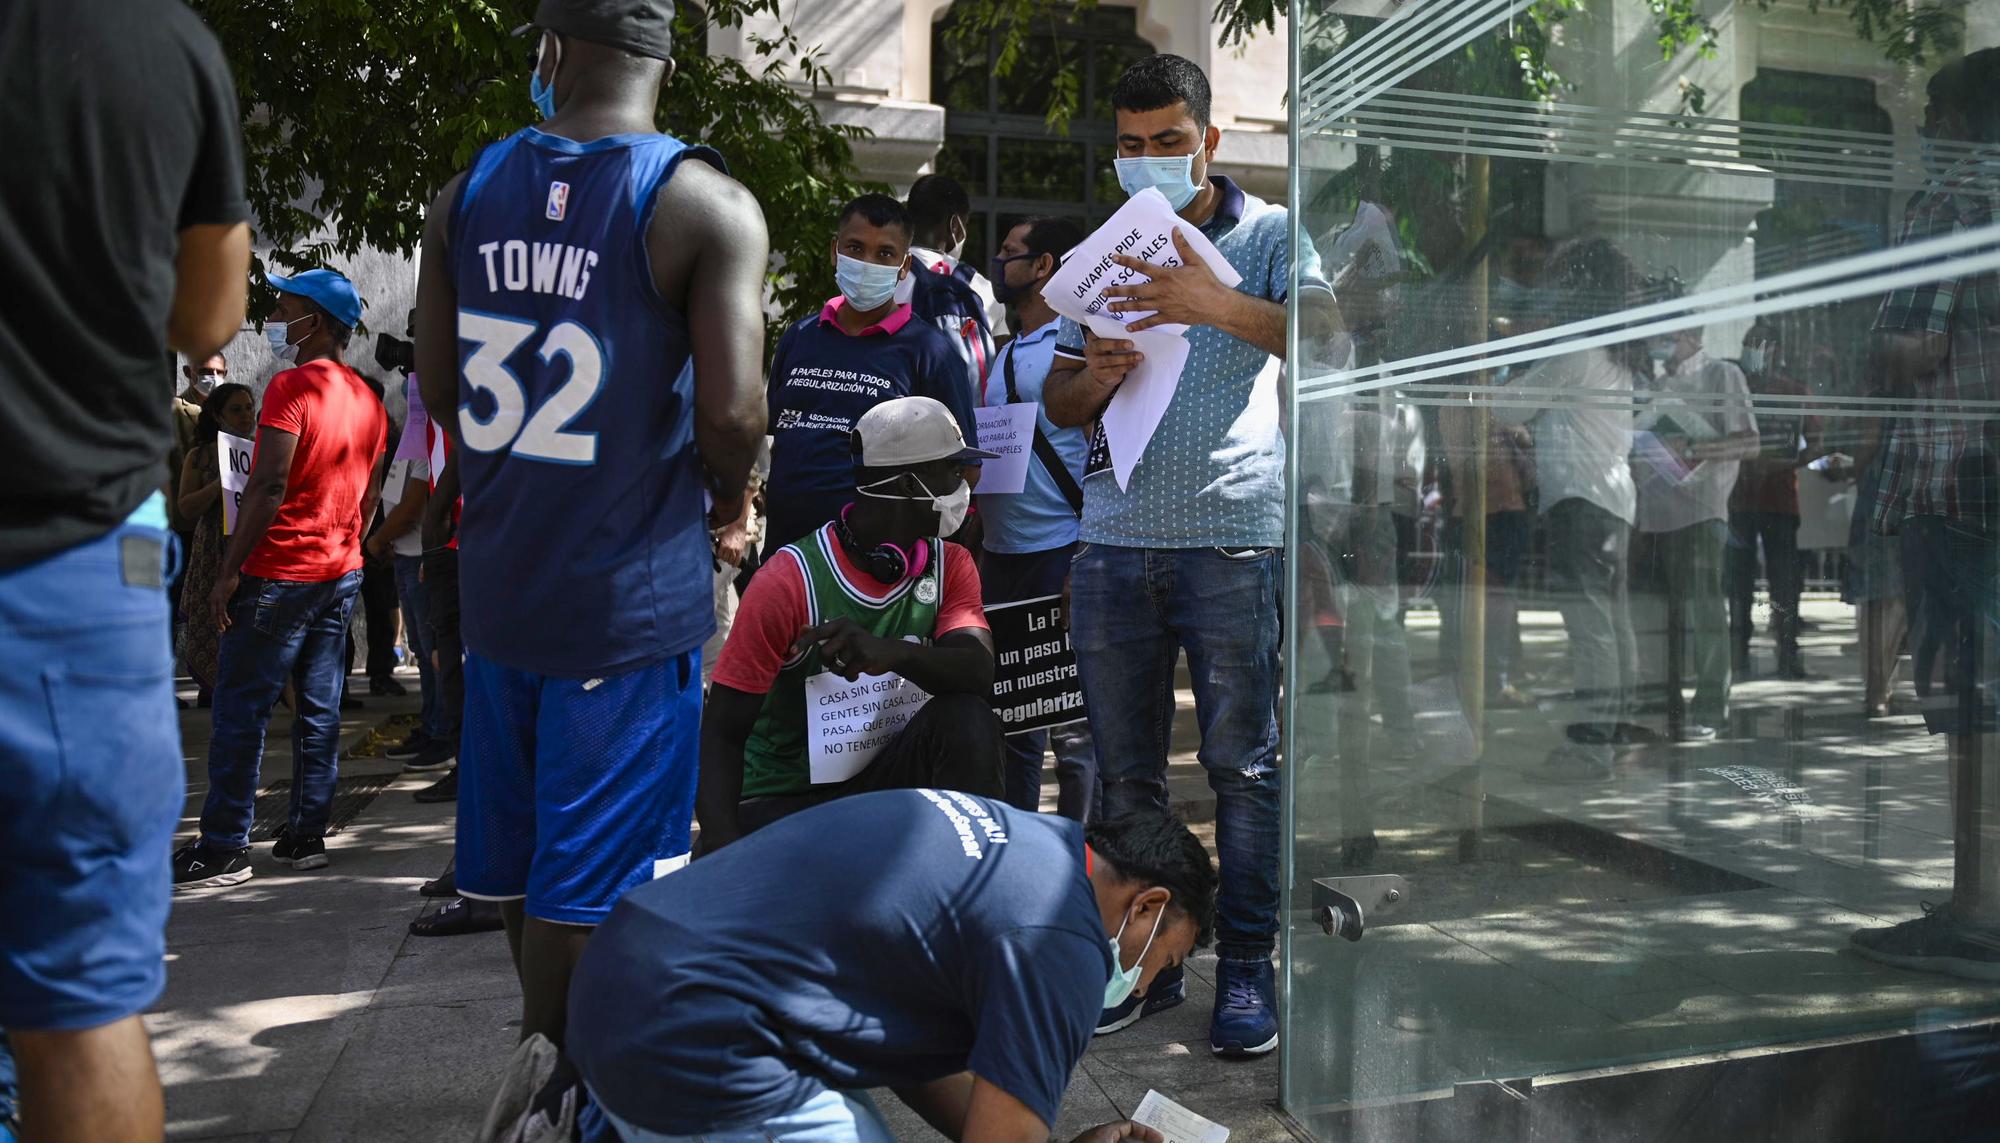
[[1909, 33], [1023, 26], [359, 111]]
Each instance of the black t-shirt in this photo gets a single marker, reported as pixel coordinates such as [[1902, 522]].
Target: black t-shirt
[[126, 132]]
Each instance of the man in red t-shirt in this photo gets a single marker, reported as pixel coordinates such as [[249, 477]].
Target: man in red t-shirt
[[873, 592], [288, 581]]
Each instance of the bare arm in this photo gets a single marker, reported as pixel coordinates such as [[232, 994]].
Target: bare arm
[[404, 517], [437, 317], [372, 495], [960, 661], [994, 1116], [263, 492], [943, 1103], [200, 488], [1077, 391], [709, 253], [211, 287], [726, 722]]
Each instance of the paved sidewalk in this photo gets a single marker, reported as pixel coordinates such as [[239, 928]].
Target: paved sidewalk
[[298, 1008]]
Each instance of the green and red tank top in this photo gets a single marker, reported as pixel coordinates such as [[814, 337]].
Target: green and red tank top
[[774, 760]]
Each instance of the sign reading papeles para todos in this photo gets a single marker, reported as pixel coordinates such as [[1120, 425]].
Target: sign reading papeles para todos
[[1035, 684]]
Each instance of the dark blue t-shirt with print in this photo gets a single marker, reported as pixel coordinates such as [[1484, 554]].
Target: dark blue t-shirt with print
[[882, 940], [822, 380]]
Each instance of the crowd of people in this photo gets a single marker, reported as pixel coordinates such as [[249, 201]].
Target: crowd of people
[[638, 564]]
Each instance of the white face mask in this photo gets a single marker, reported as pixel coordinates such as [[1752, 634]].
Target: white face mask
[[951, 507], [205, 383]]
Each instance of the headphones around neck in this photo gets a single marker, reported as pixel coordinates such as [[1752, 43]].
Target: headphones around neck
[[889, 563]]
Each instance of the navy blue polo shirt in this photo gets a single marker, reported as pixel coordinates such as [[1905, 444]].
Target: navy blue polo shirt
[[822, 380], [882, 940]]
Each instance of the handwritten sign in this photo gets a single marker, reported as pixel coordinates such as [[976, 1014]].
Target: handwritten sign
[[233, 461], [1010, 431], [850, 723], [1177, 1123], [1035, 684]]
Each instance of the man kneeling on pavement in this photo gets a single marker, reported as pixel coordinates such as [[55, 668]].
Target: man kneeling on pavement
[[950, 948], [874, 591]]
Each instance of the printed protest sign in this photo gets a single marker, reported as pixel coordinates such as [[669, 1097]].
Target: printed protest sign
[[1143, 229], [233, 457], [1010, 431], [850, 723], [1035, 684]]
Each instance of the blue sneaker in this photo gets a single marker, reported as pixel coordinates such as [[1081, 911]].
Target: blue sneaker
[[1168, 990], [1245, 1022]]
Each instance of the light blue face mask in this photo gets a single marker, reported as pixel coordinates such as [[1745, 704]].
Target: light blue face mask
[[544, 94], [865, 285], [1172, 175], [277, 334], [1660, 349], [1123, 980]]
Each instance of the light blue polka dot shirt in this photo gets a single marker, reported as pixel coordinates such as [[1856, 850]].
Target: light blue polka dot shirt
[[1213, 474]]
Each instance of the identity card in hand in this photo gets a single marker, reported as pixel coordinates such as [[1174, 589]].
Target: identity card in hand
[[1177, 1123]]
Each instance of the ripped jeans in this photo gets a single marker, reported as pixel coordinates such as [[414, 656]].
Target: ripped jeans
[[1132, 610]]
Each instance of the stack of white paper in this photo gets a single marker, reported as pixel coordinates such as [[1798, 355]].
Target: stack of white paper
[[1143, 229]]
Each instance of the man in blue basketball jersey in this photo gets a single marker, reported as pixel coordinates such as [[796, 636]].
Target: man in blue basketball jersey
[[568, 277]]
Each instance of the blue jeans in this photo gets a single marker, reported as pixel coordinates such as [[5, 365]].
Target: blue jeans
[[91, 780], [1008, 578], [410, 591], [1131, 610], [278, 630], [829, 1117]]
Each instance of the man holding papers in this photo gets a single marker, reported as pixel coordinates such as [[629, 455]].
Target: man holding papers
[[1182, 525], [950, 948], [861, 657]]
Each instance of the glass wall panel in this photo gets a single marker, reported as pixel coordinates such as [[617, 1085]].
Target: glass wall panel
[[1644, 598]]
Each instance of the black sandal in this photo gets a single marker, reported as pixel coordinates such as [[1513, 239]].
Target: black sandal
[[458, 918]]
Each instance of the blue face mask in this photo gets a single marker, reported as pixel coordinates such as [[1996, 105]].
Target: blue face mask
[[1172, 176], [1660, 349], [544, 94], [1123, 980], [277, 335], [865, 285]]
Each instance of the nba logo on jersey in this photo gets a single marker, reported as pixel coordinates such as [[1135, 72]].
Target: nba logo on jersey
[[558, 200]]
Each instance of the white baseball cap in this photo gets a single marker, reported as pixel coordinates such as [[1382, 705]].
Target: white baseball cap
[[909, 431]]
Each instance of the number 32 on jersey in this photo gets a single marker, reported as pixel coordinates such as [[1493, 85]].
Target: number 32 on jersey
[[545, 434]]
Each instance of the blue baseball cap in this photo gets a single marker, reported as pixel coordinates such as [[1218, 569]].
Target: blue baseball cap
[[334, 293]]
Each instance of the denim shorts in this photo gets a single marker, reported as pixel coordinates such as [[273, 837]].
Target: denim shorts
[[91, 780]]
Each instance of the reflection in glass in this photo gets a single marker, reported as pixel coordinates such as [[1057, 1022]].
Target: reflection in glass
[[1645, 604]]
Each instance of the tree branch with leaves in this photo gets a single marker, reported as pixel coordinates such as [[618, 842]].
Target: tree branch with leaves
[[356, 112]]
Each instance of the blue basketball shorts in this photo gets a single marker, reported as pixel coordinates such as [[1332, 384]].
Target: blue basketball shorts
[[91, 779], [572, 791]]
